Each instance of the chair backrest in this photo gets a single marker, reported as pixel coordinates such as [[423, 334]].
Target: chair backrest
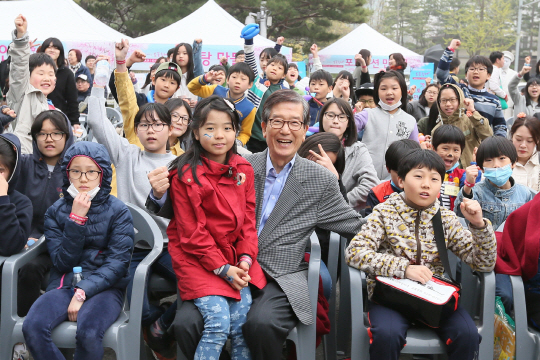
[[114, 116], [146, 229]]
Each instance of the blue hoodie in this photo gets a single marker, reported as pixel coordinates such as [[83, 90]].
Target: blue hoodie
[[15, 209], [42, 187], [103, 246]]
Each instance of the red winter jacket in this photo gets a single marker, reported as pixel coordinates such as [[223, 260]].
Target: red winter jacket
[[519, 247], [213, 225]]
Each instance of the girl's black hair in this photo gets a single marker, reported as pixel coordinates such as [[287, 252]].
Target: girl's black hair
[[39, 59], [532, 123], [190, 64], [58, 120], [448, 134], [422, 99], [400, 60], [432, 119], [61, 61], [344, 74], [196, 152], [147, 111], [330, 143], [148, 80], [379, 77], [495, 146], [8, 155], [350, 135], [397, 150], [268, 53], [175, 103], [533, 80], [419, 159]]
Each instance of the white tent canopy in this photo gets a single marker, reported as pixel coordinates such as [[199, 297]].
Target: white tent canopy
[[211, 23], [63, 19], [365, 37]]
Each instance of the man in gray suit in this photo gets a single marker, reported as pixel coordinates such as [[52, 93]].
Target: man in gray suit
[[294, 195]]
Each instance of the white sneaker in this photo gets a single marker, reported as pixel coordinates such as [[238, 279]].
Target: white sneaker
[[20, 352]]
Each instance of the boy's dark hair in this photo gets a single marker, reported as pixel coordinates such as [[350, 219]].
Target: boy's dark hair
[[495, 146], [169, 53], [89, 57], [532, 123], [268, 53], [479, 60], [8, 155], [397, 150], [218, 67], [351, 135], [190, 64], [61, 61], [365, 55], [280, 60], [400, 60], [494, 56], [321, 75], [169, 74], [448, 134], [330, 143], [238, 53], [454, 64], [532, 81], [242, 68], [418, 159], [175, 103], [378, 78], [39, 59], [58, 120], [195, 153], [147, 111]]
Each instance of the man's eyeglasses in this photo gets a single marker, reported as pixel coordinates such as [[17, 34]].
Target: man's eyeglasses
[[294, 125]]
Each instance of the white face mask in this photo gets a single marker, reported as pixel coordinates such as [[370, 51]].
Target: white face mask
[[387, 107], [72, 190]]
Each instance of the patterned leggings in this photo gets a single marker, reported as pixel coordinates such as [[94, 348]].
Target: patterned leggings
[[223, 316]]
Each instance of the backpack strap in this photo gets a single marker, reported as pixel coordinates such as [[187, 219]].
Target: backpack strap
[[441, 244]]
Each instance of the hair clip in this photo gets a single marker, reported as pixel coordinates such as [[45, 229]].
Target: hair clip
[[521, 115], [229, 104]]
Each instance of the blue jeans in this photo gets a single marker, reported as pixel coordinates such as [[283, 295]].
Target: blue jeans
[[162, 266], [96, 315], [503, 288], [223, 316]]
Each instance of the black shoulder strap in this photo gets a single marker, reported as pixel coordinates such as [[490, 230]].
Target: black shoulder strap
[[441, 244]]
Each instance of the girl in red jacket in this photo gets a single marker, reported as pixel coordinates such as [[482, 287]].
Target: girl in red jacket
[[213, 236]]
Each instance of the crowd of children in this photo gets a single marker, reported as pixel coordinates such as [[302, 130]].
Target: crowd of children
[[184, 133]]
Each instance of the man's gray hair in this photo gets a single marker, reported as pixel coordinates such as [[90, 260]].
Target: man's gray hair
[[285, 95]]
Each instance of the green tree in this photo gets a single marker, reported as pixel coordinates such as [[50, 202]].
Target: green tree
[[482, 26]]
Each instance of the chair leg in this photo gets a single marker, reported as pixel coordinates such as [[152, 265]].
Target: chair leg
[[344, 316], [305, 346]]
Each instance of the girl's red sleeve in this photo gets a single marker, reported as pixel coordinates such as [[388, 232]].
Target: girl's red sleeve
[[191, 224], [248, 242]]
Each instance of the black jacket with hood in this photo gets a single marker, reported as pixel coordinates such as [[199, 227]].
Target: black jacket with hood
[[15, 209], [42, 187]]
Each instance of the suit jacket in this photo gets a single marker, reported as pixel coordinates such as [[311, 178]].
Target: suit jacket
[[310, 198]]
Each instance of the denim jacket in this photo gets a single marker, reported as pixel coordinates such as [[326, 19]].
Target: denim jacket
[[497, 203]]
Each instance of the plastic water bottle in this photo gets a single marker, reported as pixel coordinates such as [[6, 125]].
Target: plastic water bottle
[[101, 77], [77, 276]]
